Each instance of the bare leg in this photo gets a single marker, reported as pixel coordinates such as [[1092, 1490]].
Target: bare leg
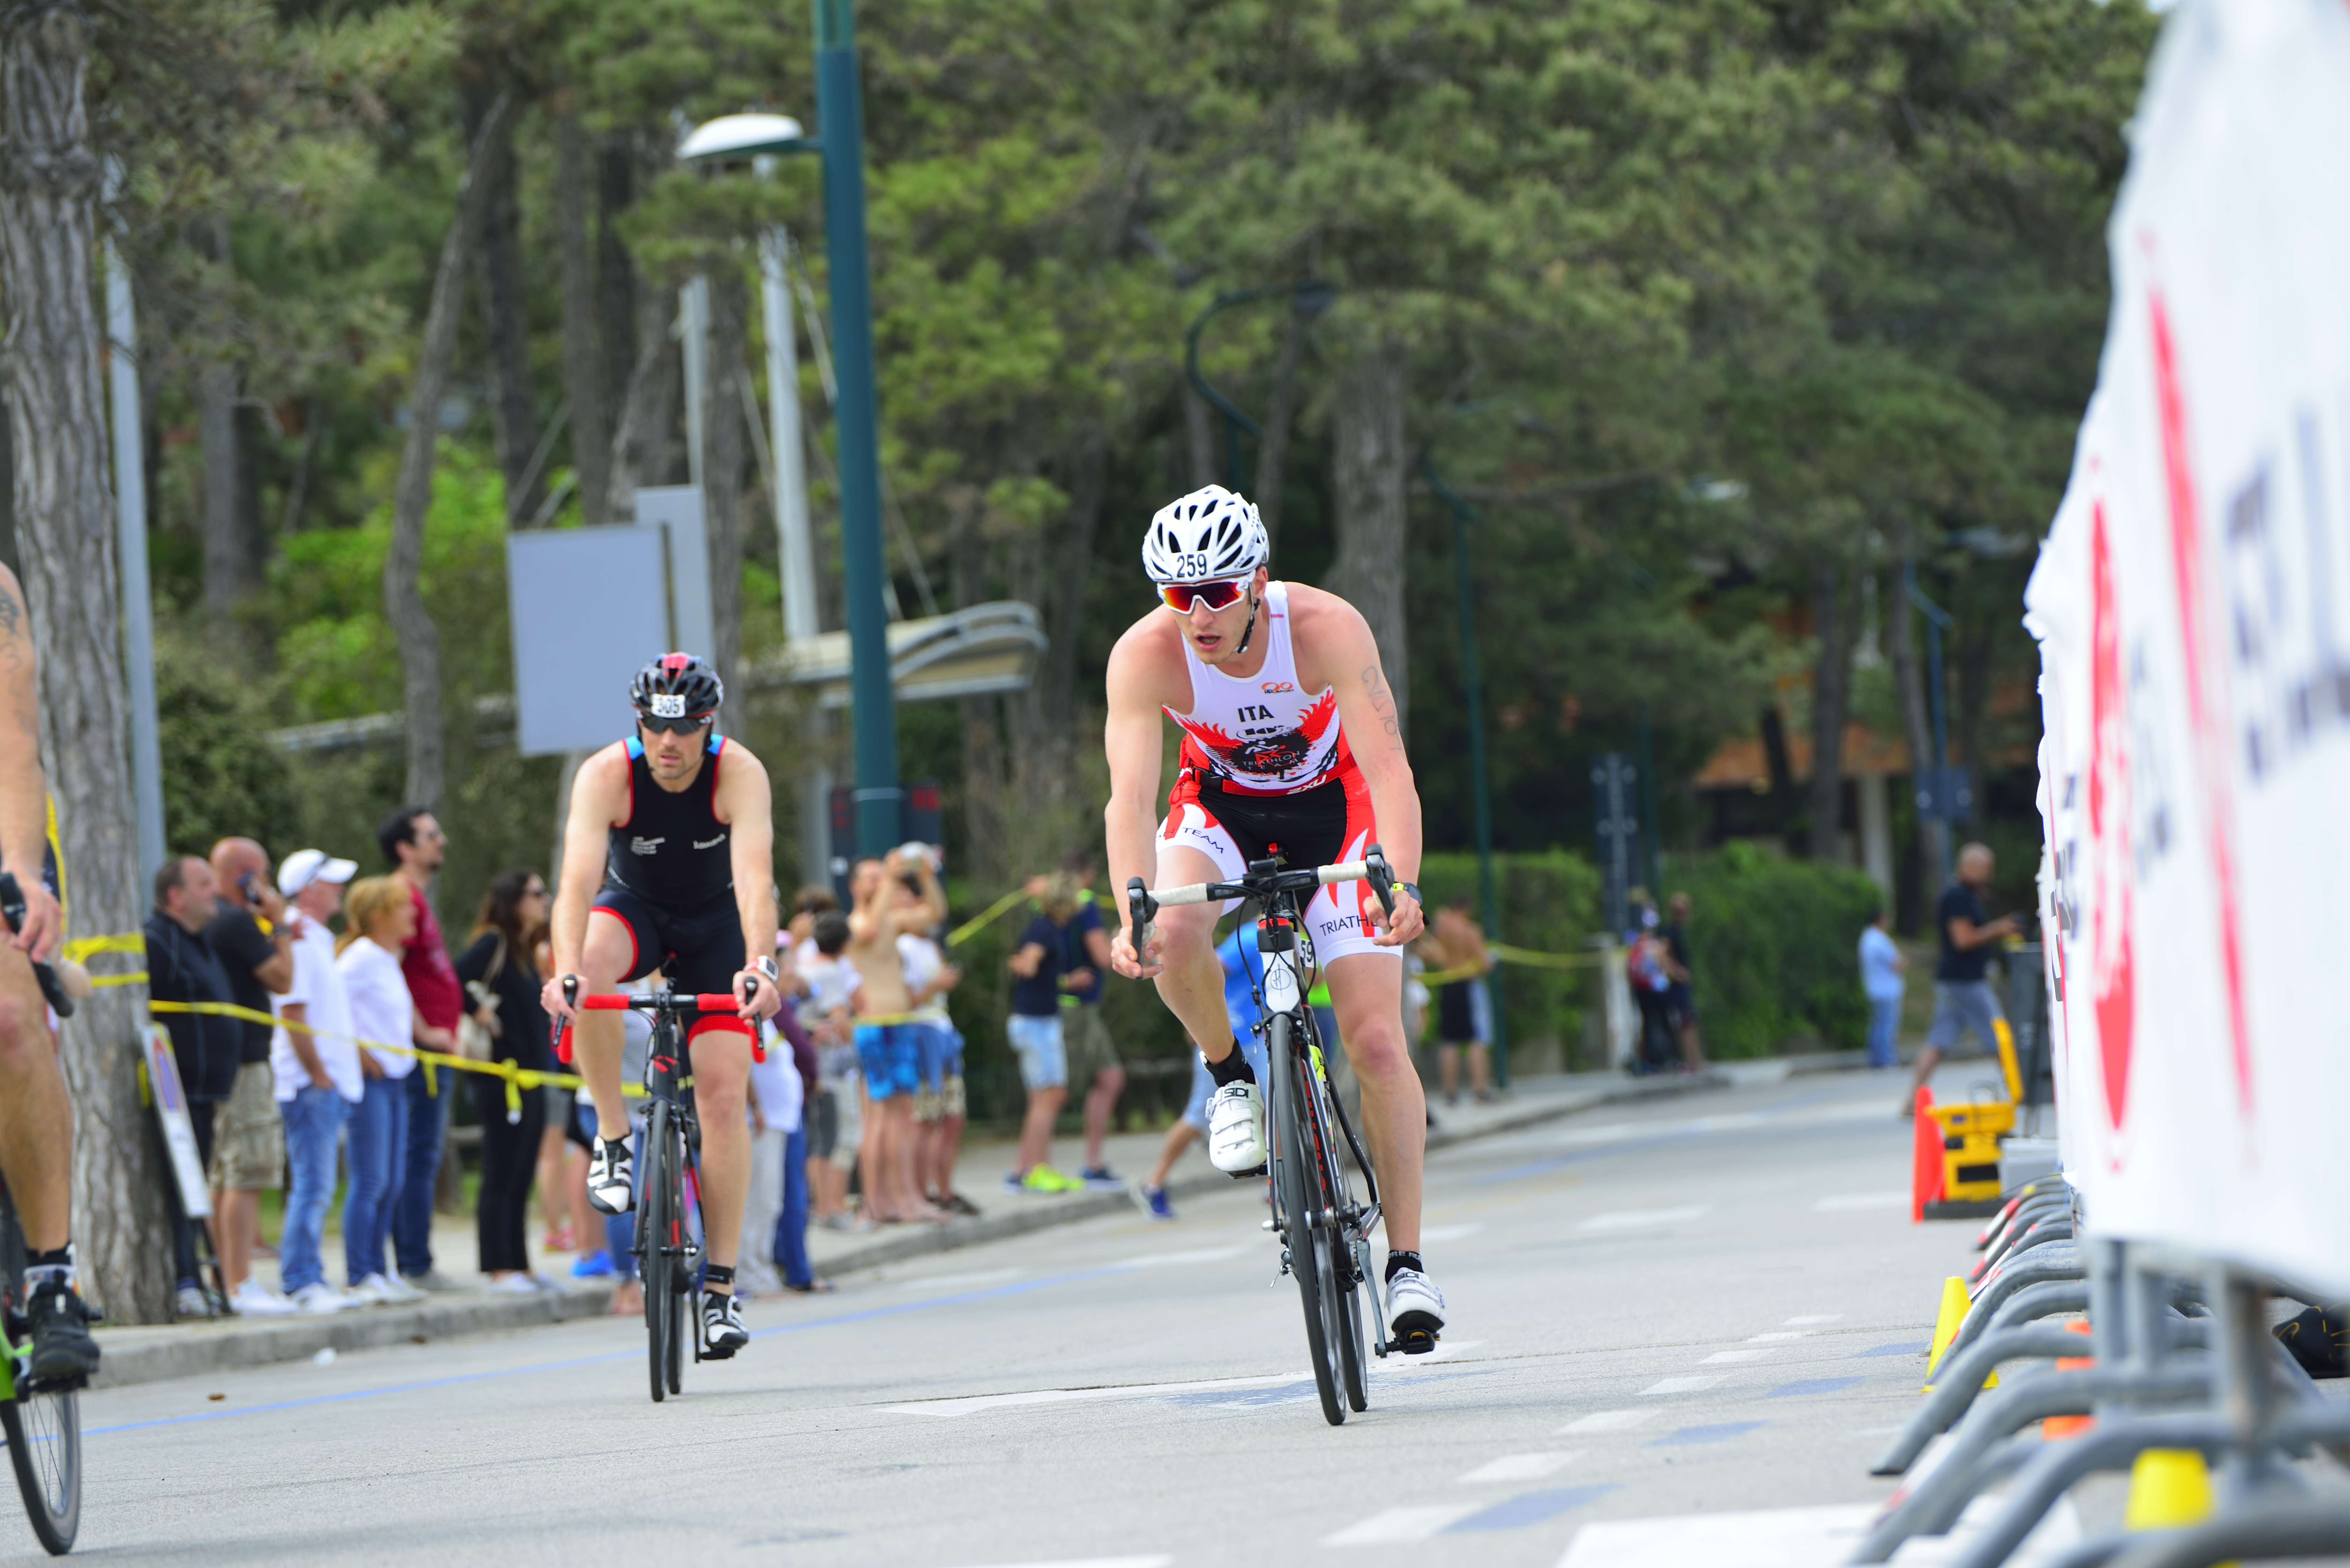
[[597, 1037], [1481, 1069], [551, 1187], [1179, 1137], [1101, 1102], [869, 1163], [1927, 1060], [586, 1225], [721, 1071], [1448, 1071], [35, 1119], [949, 1153], [240, 1222], [1367, 992], [1692, 1052], [1036, 1130]]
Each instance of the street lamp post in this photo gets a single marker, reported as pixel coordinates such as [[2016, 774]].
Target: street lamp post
[[1481, 784], [1941, 791], [1310, 297], [840, 139]]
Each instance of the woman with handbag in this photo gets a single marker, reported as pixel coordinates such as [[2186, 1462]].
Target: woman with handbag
[[500, 974]]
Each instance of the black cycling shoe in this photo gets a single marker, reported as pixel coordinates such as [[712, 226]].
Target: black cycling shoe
[[65, 1353], [611, 1176], [722, 1333]]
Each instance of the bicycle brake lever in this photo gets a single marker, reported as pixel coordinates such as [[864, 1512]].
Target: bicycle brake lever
[[1142, 907], [1382, 878], [11, 905]]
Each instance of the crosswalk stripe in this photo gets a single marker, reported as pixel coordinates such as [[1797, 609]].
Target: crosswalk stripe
[[1608, 1421], [1417, 1523], [1678, 1386], [1518, 1468]]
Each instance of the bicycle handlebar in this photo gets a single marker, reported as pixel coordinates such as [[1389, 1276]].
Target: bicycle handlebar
[[1144, 902], [11, 905], [719, 1001]]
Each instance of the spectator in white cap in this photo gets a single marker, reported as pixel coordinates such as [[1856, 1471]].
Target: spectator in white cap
[[316, 1063]]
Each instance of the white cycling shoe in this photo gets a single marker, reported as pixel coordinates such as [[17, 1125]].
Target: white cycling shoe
[[1415, 1312], [611, 1176], [1236, 1129]]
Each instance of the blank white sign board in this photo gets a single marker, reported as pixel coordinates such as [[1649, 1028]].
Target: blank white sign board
[[589, 610]]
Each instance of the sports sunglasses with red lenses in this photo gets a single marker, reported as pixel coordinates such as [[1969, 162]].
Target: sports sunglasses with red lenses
[[1216, 596]]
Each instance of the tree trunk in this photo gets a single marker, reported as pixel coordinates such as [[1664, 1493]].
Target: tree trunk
[[722, 467], [411, 496], [64, 510], [505, 302], [1067, 609], [640, 434], [616, 272], [1933, 834], [1974, 696], [585, 376], [1273, 452], [297, 492], [983, 747], [1368, 461], [1831, 700]]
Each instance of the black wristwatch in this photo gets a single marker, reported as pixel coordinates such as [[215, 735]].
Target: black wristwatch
[[1413, 889]]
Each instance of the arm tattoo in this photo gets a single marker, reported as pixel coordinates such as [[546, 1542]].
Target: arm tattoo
[[1383, 704], [9, 612]]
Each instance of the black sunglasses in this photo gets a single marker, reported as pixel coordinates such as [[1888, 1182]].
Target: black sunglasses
[[674, 726]]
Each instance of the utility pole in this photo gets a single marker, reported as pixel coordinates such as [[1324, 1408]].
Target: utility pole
[[841, 123]]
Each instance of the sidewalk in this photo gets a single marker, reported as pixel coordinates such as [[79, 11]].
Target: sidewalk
[[148, 1354]]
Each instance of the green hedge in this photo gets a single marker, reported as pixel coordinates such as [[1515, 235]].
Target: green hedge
[[1773, 948], [1549, 903]]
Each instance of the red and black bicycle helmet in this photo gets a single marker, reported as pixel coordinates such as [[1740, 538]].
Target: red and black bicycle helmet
[[676, 686]]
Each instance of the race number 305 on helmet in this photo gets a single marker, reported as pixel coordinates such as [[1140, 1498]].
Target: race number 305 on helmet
[[676, 691]]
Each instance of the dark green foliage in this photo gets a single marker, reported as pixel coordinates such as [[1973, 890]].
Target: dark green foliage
[[220, 776], [1773, 947]]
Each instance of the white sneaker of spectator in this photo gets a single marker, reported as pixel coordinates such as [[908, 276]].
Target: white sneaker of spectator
[[253, 1298], [393, 1290], [319, 1297], [514, 1286]]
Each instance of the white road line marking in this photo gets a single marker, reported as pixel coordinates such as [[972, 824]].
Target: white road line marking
[[1678, 1386], [1634, 1218], [1159, 1560], [1518, 1468], [1722, 1357], [1815, 1318], [1391, 1525], [1449, 1232], [1174, 1259], [1765, 1538], [1608, 1421], [976, 1403], [1860, 1200], [1775, 1336], [1735, 1121]]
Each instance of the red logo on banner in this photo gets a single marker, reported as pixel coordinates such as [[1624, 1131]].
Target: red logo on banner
[[2109, 913], [2204, 698]]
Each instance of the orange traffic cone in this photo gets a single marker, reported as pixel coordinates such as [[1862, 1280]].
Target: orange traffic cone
[[1925, 1165]]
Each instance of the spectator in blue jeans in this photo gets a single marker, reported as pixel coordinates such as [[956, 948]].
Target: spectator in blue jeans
[[381, 918], [316, 1068], [1881, 964], [412, 840]]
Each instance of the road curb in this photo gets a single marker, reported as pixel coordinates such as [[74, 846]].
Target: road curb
[[147, 1355]]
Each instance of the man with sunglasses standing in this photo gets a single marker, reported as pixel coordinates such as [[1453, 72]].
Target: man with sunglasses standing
[[1292, 748], [671, 832]]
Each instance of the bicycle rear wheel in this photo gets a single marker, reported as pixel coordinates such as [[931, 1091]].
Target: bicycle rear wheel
[[655, 1258], [43, 1430], [1298, 1184]]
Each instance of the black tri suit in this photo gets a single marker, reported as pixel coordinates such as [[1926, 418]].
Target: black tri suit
[[669, 877]]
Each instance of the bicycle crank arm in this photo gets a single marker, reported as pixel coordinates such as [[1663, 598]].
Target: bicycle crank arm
[[1379, 1308]]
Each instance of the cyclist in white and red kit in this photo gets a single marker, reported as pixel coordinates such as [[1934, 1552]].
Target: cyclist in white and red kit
[[1292, 749]]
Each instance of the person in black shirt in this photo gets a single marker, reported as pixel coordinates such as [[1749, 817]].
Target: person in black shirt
[[497, 967], [1040, 972], [181, 967], [249, 1137], [1963, 998], [1681, 1000]]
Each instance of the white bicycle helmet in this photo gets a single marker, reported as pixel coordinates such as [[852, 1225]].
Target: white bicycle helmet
[[1206, 536]]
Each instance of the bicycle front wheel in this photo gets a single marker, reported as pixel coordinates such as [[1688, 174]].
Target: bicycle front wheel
[[655, 1258], [43, 1433], [1298, 1187]]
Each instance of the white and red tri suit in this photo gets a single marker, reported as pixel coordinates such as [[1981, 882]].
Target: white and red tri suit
[[1267, 771]]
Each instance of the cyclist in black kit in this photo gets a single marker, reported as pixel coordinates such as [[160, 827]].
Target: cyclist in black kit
[[671, 831]]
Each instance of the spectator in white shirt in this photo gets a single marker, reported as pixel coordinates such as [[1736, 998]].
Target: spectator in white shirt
[[316, 1070], [381, 920], [837, 1120]]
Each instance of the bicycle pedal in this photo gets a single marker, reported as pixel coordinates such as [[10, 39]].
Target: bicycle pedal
[[1417, 1343], [1245, 1175]]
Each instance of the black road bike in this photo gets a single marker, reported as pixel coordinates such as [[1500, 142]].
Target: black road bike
[[1325, 1229], [667, 1162], [42, 1421]]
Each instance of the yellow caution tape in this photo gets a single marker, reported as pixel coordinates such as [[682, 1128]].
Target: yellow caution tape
[[517, 1079], [1543, 960], [82, 947], [985, 919]]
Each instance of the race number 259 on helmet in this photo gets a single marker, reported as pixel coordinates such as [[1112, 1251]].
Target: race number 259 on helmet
[[1205, 536], [676, 686]]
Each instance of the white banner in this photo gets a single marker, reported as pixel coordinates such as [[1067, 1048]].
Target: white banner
[[2193, 607]]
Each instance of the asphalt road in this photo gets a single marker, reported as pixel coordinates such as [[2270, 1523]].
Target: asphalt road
[[1705, 1305]]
